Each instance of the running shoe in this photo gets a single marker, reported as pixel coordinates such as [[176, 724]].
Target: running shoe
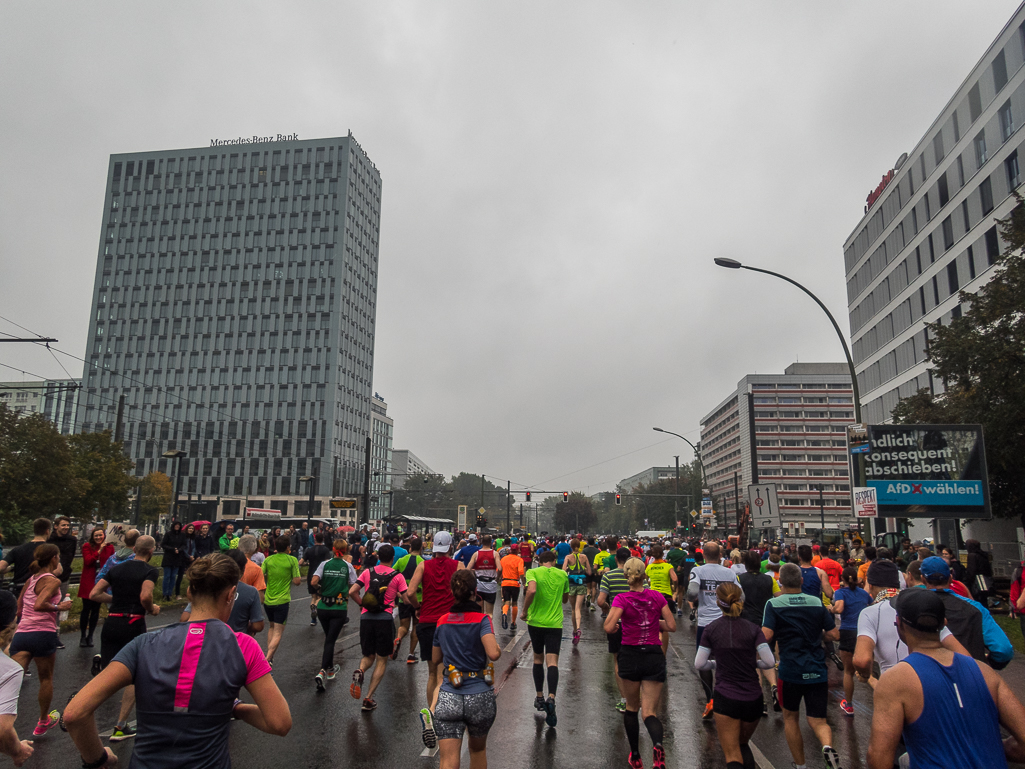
[[708, 711], [319, 680], [831, 758], [42, 727], [368, 705], [356, 688], [313, 614], [60, 645], [333, 672], [621, 706], [576, 637], [121, 733], [539, 703], [505, 621], [591, 607], [634, 761], [551, 719], [765, 709], [679, 612], [395, 648], [512, 627], [776, 707], [846, 707], [428, 734], [97, 665], [692, 615], [412, 659], [659, 758], [837, 661]]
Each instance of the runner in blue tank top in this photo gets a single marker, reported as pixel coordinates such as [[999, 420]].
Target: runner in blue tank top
[[949, 706]]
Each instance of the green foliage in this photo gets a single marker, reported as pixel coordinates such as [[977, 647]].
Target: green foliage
[[101, 463], [980, 358], [434, 497], [656, 501], [154, 496], [38, 474], [575, 515]]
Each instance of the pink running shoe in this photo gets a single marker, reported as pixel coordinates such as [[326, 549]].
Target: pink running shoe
[[634, 761], [42, 727]]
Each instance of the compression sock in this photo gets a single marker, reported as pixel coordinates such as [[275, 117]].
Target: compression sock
[[633, 729], [749, 757], [505, 608], [553, 680], [706, 682], [734, 765], [515, 611], [654, 727], [539, 677]]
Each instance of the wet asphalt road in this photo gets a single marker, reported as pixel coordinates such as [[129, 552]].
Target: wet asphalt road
[[329, 730]]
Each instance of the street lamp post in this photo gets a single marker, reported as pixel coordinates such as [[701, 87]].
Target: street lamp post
[[733, 264], [178, 455], [309, 479], [697, 456]]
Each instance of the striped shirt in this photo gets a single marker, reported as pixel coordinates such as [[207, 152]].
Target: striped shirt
[[613, 583]]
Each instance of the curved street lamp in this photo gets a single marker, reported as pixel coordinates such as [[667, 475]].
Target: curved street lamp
[[733, 264], [697, 456]]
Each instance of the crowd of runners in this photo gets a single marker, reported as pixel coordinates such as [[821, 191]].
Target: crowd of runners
[[911, 642]]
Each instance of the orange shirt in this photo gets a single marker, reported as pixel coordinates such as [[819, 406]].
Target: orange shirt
[[512, 570], [254, 576]]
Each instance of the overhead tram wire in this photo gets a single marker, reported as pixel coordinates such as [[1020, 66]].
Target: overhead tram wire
[[605, 461]]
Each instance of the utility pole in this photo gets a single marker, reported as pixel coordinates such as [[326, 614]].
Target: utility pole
[[676, 499], [365, 517], [482, 489], [822, 516], [119, 426], [508, 507]]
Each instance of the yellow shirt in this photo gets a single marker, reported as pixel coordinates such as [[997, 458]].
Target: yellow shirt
[[658, 576]]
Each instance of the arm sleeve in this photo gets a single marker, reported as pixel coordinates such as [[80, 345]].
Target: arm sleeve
[[765, 659], [703, 660], [692, 587], [256, 663]]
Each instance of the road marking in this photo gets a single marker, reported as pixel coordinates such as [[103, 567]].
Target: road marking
[[428, 752], [760, 758], [515, 640]]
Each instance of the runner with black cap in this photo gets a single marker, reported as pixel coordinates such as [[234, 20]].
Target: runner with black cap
[[948, 707]]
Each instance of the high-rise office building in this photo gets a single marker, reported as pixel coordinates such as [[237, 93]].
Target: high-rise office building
[[789, 429], [928, 230], [55, 399], [382, 430], [234, 308], [646, 478], [404, 464]]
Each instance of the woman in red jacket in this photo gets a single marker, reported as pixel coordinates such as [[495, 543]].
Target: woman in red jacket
[[95, 553]]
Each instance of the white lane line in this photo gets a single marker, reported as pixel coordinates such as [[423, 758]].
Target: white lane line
[[515, 640], [760, 758], [428, 752], [346, 638]]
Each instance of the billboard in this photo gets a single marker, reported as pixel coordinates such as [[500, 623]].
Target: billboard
[[922, 471]]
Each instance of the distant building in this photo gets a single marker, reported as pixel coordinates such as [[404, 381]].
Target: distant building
[[929, 231], [404, 464], [788, 429], [646, 478], [55, 399], [382, 430]]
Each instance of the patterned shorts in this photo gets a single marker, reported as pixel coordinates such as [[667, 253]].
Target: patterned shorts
[[456, 713]]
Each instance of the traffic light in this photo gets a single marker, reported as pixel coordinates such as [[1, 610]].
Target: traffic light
[[565, 496], [619, 499], [528, 496]]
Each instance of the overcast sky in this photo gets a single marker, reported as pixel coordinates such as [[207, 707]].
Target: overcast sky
[[557, 178]]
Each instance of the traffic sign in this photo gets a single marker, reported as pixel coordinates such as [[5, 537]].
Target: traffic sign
[[693, 513], [764, 506], [481, 510]]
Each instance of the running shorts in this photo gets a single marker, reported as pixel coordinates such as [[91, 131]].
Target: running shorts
[[117, 633], [642, 663], [425, 637], [485, 596], [376, 636], [456, 713], [38, 643], [747, 711], [848, 640], [545, 640], [511, 593], [615, 641], [277, 614], [592, 579], [580, 589], [406, 611], [815, 696]]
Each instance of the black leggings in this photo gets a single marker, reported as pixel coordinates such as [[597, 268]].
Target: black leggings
[[89, 617], [332, 621]]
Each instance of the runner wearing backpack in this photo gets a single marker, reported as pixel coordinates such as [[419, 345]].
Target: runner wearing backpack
[[379, 586]]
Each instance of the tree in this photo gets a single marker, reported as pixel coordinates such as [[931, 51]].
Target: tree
[[980, 358], [154, 497], [99, 461], [37, 469], [576, 514]]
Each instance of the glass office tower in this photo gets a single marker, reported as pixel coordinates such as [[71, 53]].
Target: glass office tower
[[234, 308]]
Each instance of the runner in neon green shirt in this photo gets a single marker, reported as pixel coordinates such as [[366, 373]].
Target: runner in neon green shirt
[[547, 591], [281, 570]]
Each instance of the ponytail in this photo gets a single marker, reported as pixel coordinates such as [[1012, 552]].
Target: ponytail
[[850, 577], [730, 599], [42, 557]]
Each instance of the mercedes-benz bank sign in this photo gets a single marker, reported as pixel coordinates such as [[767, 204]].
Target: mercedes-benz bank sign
[[254, 140]]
